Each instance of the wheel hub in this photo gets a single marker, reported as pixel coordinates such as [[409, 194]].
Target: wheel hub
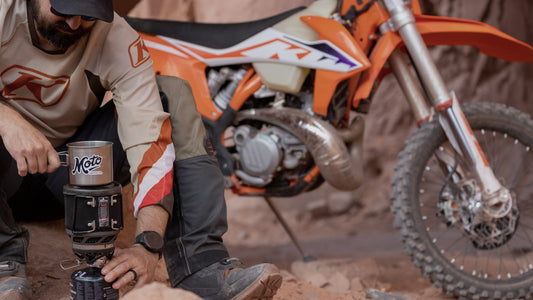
[[488, 224]]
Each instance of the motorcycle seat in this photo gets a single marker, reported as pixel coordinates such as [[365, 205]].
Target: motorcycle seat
[[211, 35]]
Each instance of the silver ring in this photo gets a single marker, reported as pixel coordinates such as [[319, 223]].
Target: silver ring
[[134, 273]]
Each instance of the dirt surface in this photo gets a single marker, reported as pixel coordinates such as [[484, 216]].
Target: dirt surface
[[354, 252]]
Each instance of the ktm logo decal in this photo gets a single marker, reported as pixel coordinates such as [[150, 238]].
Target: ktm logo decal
[[138, 53], [278, 50], [26, 84]]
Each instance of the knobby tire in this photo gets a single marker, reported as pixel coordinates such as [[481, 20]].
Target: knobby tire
[[443, 252]]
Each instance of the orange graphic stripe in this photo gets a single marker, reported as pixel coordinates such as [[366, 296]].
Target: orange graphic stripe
[[154, 153]]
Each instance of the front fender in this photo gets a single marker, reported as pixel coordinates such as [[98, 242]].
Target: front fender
[[489, 40], [437, 30]]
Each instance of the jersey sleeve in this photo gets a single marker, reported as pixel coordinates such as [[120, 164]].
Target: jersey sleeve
[[144, 128]]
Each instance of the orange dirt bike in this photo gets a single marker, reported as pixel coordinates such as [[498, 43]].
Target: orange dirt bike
[[282, 99]]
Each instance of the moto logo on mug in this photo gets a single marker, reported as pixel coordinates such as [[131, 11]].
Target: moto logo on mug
[[87, 165]]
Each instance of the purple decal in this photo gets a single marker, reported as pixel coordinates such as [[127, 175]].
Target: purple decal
[[326, 48]]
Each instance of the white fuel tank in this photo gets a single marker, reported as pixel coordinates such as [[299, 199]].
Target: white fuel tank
[[289, 78]]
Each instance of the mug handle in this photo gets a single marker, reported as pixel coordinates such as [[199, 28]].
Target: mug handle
[[63, 155]]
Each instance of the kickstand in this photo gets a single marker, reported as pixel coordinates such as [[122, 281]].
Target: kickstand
[[305, 258]]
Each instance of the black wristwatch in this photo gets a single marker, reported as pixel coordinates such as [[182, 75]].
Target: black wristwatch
[[151, 241]]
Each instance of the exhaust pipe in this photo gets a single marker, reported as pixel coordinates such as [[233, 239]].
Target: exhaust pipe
[[341, 168]]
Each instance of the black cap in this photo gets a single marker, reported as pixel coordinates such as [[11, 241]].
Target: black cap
[[100, 9]]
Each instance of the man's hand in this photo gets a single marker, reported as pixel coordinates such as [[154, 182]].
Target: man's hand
[[29, 148], [135, 258]]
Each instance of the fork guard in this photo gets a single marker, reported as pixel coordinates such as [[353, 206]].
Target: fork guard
[[436, 30]]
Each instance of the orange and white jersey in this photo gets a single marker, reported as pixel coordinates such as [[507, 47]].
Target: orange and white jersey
[[56, 91]]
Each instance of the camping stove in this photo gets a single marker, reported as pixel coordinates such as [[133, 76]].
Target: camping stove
[[93, 216]]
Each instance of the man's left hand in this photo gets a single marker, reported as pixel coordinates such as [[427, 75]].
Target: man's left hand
[[135, 258]]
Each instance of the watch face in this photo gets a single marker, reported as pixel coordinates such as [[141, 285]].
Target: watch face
[[153, 241]]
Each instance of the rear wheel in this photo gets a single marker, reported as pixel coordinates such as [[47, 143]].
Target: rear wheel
[[438, 207]]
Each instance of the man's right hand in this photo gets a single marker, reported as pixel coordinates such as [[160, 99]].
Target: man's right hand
[[30, 148]]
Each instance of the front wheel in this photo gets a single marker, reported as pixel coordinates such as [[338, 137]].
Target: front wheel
[[438, 206]]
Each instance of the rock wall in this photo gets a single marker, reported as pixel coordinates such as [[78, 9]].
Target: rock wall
[[475, 76], [210, 11]]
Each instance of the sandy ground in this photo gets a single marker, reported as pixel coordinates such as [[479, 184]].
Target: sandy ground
[[355, 251]]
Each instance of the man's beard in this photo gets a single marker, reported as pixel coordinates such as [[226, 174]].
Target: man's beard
[[51, 31]]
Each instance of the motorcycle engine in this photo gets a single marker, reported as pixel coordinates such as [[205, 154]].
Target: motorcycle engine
[[263, 153]]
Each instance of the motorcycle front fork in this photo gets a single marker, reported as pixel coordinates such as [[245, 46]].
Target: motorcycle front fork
[[495, 197]]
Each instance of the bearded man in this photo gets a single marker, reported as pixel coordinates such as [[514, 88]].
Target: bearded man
[[58, 58]]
